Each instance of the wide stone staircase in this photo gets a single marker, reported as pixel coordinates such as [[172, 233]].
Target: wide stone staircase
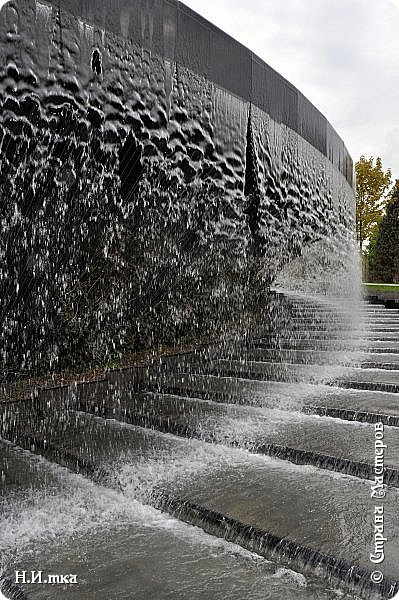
[[265, 439]]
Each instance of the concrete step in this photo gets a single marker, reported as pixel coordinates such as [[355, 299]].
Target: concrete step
[[349, 404], [230, 491], [377, 379], [309, 357]]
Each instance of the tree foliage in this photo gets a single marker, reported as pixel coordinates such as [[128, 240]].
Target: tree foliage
[[369, 258], [372, 184], [384, 254]]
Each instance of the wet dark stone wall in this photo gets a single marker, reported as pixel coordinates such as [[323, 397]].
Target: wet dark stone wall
[[155, 176]]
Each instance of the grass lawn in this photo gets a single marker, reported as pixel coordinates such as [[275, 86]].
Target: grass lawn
[[382, 287]]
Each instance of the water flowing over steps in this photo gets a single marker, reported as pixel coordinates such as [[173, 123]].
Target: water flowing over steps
[[257, 442], [366, 406], [184, 496], [363, 360], [375, 346], [148, 551], [302, 439], [304, 451], [374, 379]]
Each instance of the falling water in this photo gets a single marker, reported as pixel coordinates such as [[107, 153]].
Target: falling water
[[153, 207]]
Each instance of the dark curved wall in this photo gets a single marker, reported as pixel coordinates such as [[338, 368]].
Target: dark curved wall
[[172, 30], [155, 178]]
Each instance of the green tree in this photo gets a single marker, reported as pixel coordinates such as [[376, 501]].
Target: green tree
[[372, 184], [384, 258], [369, 257]]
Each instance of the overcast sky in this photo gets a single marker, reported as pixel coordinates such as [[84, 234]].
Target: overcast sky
[[342, 54]]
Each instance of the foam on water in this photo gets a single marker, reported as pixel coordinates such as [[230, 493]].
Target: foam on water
[[74, 505], [45, 523]]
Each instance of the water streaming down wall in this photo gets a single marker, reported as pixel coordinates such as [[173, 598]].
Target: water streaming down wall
[[155, 178]]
